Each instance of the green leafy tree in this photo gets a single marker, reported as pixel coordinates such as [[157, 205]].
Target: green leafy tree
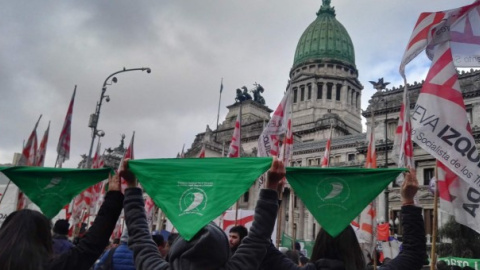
[[465, 241]]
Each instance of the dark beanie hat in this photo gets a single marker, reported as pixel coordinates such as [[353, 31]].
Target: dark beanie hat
[[61, 227]]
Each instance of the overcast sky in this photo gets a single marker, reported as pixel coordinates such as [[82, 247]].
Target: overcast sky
[[48, 47]]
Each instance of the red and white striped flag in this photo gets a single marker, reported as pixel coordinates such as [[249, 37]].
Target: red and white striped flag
[[371, 158], [268, 142], [63, 147], [403, 145], [326, 155], [439, 121], [42, 149], [202, 152], [149, 206], [234, 148], [29, 152], [287, 147], [367, 226]]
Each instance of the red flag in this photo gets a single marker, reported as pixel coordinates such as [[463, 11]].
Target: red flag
[[326, 155], [202, 152], [29, 152], [383, 231], [42, 149], [234, 149], [63, 147]]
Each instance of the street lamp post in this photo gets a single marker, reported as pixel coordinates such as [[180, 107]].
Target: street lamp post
[[93, 121]]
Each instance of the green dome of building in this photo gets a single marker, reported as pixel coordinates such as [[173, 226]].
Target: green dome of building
[[325, 39]]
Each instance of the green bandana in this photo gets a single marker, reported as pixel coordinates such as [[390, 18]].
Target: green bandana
[[335, 196], [53, 188], [194, 191]]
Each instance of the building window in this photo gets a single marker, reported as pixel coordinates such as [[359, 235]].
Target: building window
[[339, 89], [302, 93], [427, 175], [329, 90], [428, 218], [357, 101], [246, 195], [314, 230], [351, 157], [309, 92], [319, 90], [295, 93], [391, 128]]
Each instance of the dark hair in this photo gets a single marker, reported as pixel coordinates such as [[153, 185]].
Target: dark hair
[[293, 255], [241, 230], [158, 239], [116, 241], [25, 232], [303, 260], [61, 227], [344, 247], [442, 265]]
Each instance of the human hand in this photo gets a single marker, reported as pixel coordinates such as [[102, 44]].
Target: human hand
[[128, 175], [114, 182], [409, 187], [275, 175]]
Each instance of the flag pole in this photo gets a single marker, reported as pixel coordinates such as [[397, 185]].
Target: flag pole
[[5, 191], [239, 153], [218, 112], [433, 260]]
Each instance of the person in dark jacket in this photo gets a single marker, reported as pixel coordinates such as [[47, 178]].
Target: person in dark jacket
[[235, 236], [122, 257], [26, 239], [61, 244], [209, 248], [343, 252]]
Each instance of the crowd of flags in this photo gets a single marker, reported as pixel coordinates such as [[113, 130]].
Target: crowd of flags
[[440, 93]]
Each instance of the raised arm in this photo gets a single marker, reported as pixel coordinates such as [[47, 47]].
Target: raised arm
[[414, 244], [145, 251], [91, 246]]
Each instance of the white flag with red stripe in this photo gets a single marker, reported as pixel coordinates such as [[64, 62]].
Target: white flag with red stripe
[[326, 155], [29, 152], [439, 120], [234, 148], [403, 145], [63, 147], [287, 147], [202, 152], [371, 158], [42, 149], [268, 142]]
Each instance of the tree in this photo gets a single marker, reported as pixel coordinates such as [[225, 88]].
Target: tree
[[465, 241]]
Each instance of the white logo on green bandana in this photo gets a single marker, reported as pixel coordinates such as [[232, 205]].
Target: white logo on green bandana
[[55, 181], [333, 192], [193, 200]]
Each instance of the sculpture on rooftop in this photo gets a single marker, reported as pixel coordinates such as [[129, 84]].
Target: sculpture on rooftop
[[380, 85], [257, 94]]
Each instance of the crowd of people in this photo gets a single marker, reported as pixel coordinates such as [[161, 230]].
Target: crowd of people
[[26, 241]]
